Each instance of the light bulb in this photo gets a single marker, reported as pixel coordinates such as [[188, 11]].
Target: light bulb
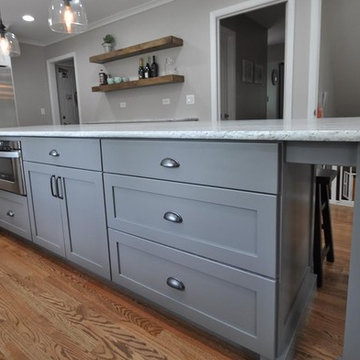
[[4, 46], [68, 18]]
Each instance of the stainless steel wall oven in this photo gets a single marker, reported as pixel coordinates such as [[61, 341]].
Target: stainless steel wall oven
[[11, 167]]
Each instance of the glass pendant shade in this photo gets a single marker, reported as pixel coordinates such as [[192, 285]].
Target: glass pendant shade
[[67, 16], [9, 45]]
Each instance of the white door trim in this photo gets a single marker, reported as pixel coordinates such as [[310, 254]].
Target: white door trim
[[245, 6], [314, 58], [50, 63]]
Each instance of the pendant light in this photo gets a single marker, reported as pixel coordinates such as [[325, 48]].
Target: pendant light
[[9, 44], [67, 16]]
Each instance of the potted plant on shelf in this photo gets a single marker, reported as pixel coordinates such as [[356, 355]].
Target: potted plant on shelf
[[108, 42]]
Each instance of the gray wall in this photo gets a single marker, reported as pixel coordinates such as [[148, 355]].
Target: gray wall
[[187, 19], [301, 59], [31, 86], [251, 44], [340, 57]]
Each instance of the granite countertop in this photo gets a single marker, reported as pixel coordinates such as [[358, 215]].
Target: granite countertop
[[334, 129]]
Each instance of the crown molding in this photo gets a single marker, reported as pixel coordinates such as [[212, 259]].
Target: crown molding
[[30, 42], [115, 17]]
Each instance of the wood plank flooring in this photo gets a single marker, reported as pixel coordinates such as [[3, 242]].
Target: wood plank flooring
[[49, 310]]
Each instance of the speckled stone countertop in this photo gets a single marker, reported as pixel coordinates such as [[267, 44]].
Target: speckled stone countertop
[[334, 129]]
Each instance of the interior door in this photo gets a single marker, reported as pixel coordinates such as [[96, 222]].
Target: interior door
[[67, 93], [45, 210], [84, 225]]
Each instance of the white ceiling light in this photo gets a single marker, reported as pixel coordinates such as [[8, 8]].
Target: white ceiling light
[[9, 44], [28, 18], [67, 16]]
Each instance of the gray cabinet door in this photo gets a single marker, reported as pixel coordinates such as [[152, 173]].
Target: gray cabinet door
[[84, 224], [45, 210]]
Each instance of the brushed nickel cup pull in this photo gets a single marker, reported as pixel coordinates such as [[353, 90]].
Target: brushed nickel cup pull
[[54, 153], [169, 163], [175, 284], [10, 213], [173, 217]]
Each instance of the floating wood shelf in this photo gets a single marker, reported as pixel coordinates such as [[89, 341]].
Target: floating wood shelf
[[160, 80], [146, 47]]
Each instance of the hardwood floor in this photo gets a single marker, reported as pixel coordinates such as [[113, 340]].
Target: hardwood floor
[[48, 310]]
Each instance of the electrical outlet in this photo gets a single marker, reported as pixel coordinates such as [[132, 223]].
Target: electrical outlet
[[123, 105], [190, 99], [42, 111], [166, 101]]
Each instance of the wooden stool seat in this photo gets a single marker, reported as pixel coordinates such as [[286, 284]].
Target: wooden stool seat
[[322, 222]]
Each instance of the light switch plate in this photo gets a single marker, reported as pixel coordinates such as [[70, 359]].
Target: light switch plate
[[42, 111], [166, 101], [190, 99], [123, 105]]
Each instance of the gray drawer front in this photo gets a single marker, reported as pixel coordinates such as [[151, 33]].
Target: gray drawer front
[[77, 153], [233, 227], [228, 302], [14, 214], [235, 165]]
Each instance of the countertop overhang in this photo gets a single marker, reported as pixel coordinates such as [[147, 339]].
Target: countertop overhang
[[331, 129]]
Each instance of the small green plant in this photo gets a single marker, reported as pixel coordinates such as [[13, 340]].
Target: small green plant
[[108, 39]]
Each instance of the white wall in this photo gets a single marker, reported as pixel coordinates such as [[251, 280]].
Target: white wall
[[340, 57], [31, 86]]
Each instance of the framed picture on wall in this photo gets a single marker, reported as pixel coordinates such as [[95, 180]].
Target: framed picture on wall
[[259, 74], [247, 71]]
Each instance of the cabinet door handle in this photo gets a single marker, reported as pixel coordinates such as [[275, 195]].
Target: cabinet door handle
[[10, 213], [169, 163], [175, 284], [52, 179], [173, 217], [54, 153], [59, 187]]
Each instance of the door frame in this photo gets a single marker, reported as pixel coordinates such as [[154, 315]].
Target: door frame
[[246, 6], [230, 66], [54, 101]]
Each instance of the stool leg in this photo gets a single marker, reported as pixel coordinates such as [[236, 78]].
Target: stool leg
[[327, 223], [317, 238]]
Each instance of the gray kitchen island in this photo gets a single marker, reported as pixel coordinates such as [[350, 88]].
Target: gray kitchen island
[[235, 200]]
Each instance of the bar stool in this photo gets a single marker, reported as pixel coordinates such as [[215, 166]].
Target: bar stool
[[322, 222]]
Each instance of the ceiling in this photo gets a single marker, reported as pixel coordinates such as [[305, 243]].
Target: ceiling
[[99, 12]]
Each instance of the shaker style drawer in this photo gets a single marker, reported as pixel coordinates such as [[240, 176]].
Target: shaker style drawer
[[14, 215], [229, 302], [246, 166], [234, 227], [77, 153]]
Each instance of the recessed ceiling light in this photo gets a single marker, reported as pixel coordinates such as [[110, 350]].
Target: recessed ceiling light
[[28, 18]]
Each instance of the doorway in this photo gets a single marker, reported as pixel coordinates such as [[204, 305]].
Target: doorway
[[252, 60], [64, 90], [67, 92]]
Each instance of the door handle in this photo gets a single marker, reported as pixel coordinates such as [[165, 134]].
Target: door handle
[[175, 284], [169, 163], [54, 153], [52, 179], [59, 187], [173, 217], [10, 213]]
